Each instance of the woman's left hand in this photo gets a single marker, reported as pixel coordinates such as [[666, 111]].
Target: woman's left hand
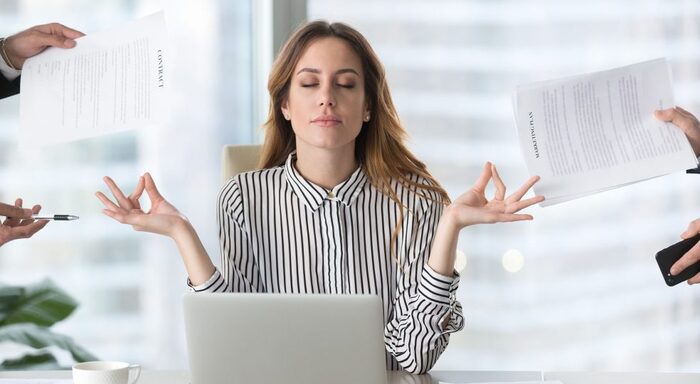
[[472, 207]]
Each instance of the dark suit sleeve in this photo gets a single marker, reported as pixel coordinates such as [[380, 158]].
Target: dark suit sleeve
[[8, 88]]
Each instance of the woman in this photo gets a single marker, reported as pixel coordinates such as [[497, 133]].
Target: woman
[[340, 205]]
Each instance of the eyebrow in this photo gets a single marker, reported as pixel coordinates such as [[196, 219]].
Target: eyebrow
[[338, 72]]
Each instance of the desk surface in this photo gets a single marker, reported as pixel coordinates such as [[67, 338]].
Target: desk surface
[[181, 377]]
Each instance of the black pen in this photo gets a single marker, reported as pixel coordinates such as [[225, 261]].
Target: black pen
[[56, 217]]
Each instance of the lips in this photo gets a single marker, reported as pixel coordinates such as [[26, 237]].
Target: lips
[[326, 120]]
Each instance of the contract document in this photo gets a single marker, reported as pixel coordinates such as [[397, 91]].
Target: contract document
[[594, 132], [110, 81]]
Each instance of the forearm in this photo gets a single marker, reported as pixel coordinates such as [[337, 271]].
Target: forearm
[[197, 262], [442, 253]]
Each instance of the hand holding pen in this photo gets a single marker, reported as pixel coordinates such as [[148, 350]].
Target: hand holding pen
[[19, 223]]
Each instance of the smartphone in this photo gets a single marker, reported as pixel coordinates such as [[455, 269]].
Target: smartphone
[[668, 256]]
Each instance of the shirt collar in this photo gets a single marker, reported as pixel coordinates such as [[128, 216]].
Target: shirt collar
[[314, 196]]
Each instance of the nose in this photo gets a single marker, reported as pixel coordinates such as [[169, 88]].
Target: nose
[[326, 98]]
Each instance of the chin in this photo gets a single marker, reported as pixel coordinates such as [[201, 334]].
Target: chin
[[329, 144]]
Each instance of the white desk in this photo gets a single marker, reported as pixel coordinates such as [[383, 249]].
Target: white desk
[[623, 377], [181, 377], [394, 377]]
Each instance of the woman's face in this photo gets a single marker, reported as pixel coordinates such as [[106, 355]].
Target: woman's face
[[326, 102]]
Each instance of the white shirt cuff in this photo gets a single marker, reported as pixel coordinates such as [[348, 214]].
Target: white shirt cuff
[[9, 73], [207, 284]]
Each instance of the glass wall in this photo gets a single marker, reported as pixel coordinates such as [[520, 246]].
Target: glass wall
[[588, 295], [129, 284]]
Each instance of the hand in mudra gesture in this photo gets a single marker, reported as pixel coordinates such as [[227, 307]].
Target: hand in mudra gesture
[[473, 207], [163, 218]]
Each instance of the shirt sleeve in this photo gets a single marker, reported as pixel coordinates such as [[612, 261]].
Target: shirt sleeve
[[239, 270], [426, 311], [7, 72]]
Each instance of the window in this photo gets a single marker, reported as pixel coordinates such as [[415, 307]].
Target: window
[[584, 292], [129, 284]]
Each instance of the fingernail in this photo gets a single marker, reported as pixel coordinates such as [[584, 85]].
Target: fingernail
[[69, 43]]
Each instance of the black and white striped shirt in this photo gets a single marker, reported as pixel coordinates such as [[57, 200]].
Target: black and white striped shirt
[[280, 233]]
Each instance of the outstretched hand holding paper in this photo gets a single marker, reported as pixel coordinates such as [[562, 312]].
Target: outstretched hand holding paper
[[111, 81], [594, 132]]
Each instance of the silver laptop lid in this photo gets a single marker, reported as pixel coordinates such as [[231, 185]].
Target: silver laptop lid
[[279, 338]]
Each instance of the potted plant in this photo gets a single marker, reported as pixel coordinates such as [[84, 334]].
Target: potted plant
[[26, 314]]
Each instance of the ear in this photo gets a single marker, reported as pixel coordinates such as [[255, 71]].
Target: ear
[[285, 109]]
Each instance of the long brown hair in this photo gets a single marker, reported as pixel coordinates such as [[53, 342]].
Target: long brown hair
[[379, 148]]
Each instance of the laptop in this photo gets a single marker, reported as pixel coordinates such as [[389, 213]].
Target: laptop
[[280, 338]]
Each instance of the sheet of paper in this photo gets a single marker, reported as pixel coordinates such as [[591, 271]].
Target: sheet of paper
[[111, 81], [594, 132]]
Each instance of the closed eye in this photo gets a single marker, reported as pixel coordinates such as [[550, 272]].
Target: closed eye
[[309, 85], [348, 86]]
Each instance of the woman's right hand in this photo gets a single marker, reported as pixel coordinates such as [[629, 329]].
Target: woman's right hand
[[163, 218]]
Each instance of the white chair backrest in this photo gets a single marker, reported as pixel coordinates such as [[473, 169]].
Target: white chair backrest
[[238, 159]]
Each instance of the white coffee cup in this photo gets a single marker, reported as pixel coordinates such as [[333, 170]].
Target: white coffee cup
[[105, 372]]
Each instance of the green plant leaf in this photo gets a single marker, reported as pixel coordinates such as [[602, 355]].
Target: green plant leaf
[[8, 297], [41, 337], [43, 360], [42, 304]]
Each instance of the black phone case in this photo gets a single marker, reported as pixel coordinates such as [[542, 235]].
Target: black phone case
[[668, 256]]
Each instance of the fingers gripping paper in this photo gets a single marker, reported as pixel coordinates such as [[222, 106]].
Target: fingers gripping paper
[[111, 81], [590, 133]]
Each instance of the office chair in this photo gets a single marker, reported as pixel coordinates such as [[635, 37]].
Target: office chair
[[238, 159]]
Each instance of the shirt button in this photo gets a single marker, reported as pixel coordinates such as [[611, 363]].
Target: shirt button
[[331, 195]]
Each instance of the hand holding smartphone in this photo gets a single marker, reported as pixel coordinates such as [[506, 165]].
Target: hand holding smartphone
[[668, 256]]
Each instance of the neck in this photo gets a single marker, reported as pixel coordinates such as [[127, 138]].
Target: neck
[[326, 167]]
